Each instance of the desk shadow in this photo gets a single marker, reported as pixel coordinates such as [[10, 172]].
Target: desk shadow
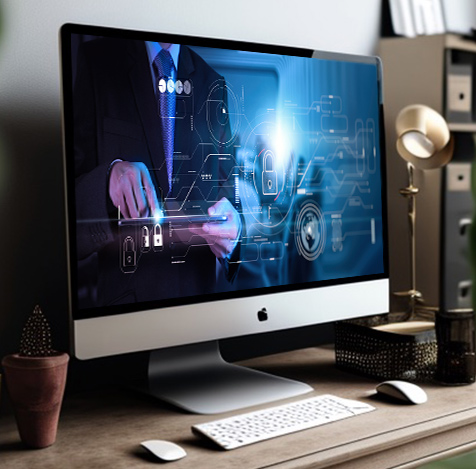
[[309, 372], [146, 456], [202, 443], [383, 398], [14, 447]]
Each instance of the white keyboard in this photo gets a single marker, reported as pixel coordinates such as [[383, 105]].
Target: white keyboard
[[245, 429]]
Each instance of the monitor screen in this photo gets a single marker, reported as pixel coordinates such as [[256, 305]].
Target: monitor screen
[[217, 188]]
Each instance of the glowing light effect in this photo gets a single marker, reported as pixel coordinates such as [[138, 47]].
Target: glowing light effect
[[158, 215], [281, 144]]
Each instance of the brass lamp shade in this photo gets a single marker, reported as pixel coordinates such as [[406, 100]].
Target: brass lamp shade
[[423, 137]]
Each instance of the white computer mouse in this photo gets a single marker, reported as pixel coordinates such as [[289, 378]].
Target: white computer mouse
[[164, 450], [404, 391]]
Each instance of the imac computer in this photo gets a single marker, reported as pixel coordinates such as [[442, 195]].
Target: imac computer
[[217, 189]]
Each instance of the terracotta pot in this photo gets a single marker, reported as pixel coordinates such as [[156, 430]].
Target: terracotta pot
[[36, 388]]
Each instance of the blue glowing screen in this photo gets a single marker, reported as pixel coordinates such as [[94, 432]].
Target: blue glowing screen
[[286, 149], [318, 122]]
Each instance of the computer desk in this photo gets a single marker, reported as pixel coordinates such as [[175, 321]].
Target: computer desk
[[102, 429]]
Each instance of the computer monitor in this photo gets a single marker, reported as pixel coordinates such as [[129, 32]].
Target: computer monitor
[[217, 189]]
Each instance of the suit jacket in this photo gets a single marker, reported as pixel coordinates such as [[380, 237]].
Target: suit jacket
[[116, 117]]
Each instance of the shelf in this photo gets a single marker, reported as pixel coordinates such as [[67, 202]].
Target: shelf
[[462, 126]]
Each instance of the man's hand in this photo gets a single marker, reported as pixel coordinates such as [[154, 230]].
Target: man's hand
[[222, 237], [131, 189]]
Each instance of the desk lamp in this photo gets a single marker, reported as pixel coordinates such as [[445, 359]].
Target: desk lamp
[[424, 142]]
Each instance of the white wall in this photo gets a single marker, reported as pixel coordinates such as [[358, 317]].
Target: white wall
[[29, 52], [460, 15], [33, 262]]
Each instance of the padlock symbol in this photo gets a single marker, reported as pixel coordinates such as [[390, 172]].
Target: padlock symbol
[[158, 240], [270, 176], [145, 239], [129, 255], [337, 235]]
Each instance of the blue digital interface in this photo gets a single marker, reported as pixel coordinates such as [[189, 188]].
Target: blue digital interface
[[306, 144], [273, 177]]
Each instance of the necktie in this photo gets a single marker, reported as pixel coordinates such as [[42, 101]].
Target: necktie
[[165, 92]]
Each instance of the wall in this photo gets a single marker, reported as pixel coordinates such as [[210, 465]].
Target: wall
[[32, 243]]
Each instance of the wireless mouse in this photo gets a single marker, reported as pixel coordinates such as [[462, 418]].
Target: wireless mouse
[[164, 450], [404, 391]]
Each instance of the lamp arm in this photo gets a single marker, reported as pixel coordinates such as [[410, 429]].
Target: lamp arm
[[410, 193]]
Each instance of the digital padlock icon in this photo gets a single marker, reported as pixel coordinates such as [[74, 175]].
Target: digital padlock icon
[[129, 255], [145, 239], [337, 235], [158, 239], [270, 176]]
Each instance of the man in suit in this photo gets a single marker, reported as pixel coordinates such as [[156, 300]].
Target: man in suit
[[124, 162]]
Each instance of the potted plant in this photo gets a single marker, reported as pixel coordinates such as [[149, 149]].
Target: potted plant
[[35, 379]]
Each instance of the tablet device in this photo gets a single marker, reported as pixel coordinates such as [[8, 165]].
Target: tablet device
[[175, 220]]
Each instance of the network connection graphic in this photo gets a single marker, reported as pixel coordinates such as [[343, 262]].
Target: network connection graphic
[[301, 164], [307, 153], [264, 169]]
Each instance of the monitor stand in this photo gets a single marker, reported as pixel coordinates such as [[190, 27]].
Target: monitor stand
[[197, 379]]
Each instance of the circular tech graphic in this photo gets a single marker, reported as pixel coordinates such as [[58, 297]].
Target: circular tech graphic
[[310, 232], [187, 87], [170, 86], [223, 110], [162, 85], [268, 179]]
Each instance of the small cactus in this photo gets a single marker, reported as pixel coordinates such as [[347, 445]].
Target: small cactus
[[36, 337]]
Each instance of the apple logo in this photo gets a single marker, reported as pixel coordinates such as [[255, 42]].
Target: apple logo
[[262, 315]]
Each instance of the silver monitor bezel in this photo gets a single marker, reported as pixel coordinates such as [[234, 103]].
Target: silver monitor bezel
[[106, 333]]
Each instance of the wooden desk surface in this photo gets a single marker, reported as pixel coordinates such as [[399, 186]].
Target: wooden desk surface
[[103, 429]]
